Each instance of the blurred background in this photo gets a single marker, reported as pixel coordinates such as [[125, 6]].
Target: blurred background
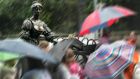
[[64, 16]]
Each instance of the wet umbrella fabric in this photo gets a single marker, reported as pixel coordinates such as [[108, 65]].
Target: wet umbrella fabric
[[37, 74], [58, 51], [22, 48], [104, 18], [108, 61]]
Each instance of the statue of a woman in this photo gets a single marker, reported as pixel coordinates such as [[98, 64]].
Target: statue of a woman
[[33, 28]]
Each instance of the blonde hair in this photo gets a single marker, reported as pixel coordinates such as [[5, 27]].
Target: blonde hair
[[43, 44]]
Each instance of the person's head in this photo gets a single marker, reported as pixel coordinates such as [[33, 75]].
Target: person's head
[[133, 34], [105, 33], [132, 38], [36, 8], [44, 45], [69, 56]]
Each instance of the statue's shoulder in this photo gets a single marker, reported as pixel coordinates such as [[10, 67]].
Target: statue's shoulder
[[27, 21], [27, 24]]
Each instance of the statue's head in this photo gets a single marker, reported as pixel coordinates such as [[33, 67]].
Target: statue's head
[[36, 8]]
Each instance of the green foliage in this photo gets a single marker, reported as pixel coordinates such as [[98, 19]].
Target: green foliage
[[63, 16], [60, 15], [12, 13]]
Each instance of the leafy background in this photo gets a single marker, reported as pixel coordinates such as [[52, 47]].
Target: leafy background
[[62, 16]]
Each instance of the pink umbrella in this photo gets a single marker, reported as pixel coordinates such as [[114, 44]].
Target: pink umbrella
[[109, 60], [103, 18]]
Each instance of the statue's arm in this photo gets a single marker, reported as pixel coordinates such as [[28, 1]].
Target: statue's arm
[[26, 27], [49, 35]]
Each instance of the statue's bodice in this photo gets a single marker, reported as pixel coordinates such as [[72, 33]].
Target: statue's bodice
[[37, 29], [33, 29], [38, 25]]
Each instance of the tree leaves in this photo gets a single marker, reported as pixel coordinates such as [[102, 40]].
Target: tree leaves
[[63, 16]]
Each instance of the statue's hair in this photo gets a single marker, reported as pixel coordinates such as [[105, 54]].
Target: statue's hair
[[34, 3]]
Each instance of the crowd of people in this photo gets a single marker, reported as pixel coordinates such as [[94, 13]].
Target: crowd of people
[[71, 68]]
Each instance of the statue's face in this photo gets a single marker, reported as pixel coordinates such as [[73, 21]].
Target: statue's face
[[36, 10]]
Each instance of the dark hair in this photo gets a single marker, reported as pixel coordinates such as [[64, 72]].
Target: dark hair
[[105, 33], [69, 54]]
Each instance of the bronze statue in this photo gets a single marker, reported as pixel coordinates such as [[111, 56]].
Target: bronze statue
[[33, 28]]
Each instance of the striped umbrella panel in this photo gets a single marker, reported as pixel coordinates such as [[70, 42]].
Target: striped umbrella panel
[[108, 62]]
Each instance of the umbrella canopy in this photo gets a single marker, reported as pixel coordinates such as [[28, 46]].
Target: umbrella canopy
[[109, 61], [59, 50], [22, 48], [103, 18], [37, 74]]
